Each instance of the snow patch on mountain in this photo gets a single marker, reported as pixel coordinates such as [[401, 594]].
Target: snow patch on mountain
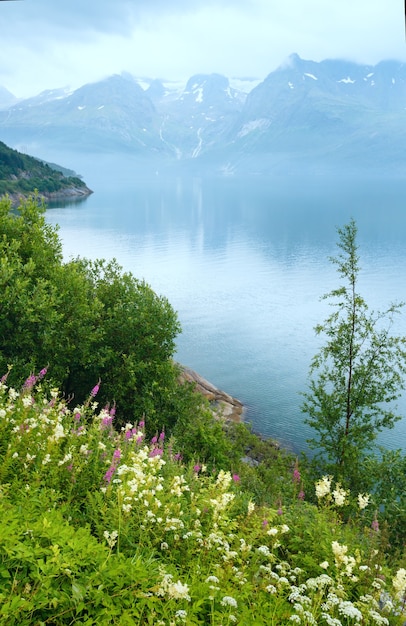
[[249, 127], [347, 80]]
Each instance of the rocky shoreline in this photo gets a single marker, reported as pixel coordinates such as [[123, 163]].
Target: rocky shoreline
[[62, 194], [222, 404]]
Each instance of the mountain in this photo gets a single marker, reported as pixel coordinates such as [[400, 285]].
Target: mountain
[[305, 114], [6, 98], [113, 114], [21, 175]]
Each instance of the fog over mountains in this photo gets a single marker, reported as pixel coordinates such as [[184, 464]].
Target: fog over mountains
[[322, 116]]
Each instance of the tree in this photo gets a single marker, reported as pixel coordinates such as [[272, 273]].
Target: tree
[[86, 321], [357, 375]]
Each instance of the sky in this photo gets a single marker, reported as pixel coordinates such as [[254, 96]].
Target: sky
[[47, 44]]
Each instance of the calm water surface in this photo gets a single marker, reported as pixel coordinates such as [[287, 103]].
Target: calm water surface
[[244, 263]]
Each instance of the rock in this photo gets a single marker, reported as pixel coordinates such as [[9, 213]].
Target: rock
[[222, 404]]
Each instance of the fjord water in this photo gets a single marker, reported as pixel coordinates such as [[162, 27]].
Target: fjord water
[[245, 263]]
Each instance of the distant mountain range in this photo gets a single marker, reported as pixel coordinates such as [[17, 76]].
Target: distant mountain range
[[327, 115]]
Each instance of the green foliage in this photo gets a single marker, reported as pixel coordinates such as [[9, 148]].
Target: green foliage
[[88, 322], [20, 173], [100, 527], [356, 375]]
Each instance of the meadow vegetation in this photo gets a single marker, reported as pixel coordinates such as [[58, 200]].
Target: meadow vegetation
[[123, 500]]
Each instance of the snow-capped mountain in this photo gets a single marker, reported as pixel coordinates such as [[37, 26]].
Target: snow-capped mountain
[[334, 112]]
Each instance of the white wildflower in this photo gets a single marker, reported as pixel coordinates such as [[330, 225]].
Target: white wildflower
[[339, 495], [229, 601], [323, 486], [363, 500], [399, 583]]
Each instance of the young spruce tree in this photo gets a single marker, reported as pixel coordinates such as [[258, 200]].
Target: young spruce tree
[[356, 376]]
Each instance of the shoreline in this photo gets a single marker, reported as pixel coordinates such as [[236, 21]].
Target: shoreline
[[63, 194], [221, 403]]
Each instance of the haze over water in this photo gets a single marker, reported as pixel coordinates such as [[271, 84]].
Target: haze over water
[[244, 263]]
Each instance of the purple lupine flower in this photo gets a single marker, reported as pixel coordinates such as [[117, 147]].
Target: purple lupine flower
[[42, 372], [117, 454], [154, 440], [162, 436]]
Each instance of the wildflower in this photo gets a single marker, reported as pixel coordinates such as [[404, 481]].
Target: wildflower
[[251, 507], [323, 486], [111, 538], [30, 382], [229, 601], [264, 523], [272, 532], [339, 495], [399, 582], [363, 500], [212, 579], [324, 564], [236, 478], [181, 614], [162, 436], [347, 609], [375, 525], [280, 511], [154, 440], [196, 468], [179, 591], [95, 390], [264, 550], [301, 495]]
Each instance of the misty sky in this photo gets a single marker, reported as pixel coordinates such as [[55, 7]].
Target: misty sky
[[55, 43]]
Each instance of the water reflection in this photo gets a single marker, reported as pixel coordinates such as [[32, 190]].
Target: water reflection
[[245, 263]]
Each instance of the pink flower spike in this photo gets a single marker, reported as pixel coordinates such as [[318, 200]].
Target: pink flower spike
[[142, 424], [375, 525], [117, 454], [162, 436], [95, 391], [42, 372], [154, 440], [197, 469], [236, 478], [264, 523], [301, 495], [279, 511]]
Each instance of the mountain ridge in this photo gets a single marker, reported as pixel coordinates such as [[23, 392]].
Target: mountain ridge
[[331, 111]]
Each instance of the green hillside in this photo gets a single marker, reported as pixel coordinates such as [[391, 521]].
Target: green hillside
[[22, 175]]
